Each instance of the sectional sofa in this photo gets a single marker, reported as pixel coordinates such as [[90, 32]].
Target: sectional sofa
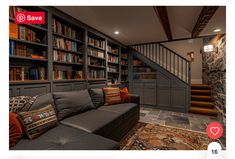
[[81, 127]]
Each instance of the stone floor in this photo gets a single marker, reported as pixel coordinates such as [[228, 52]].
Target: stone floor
[[175, 119]]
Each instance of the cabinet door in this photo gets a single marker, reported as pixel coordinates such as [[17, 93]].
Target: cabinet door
[[150, 93], [137, 88]]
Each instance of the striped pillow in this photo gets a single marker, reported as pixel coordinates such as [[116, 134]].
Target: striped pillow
[[36, 122], [112, 96]]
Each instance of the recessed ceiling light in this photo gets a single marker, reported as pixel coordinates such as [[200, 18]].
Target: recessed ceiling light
[[217, 30], [116, 32]]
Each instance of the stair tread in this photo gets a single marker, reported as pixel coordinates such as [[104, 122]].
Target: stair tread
[[201, 102], [201, 96], [202, 85], [207, 111]]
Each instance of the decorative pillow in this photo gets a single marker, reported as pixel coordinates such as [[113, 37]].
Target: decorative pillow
[[36, 122], [15, 129], [20, 103], [112, 96], [97, 96], [72, 103], [124, 94]]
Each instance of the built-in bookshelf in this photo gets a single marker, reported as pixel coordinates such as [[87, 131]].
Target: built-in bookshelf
[[96, 58], [124, 65], [68, 50], [113, 62], [28, 49], [141, 71]]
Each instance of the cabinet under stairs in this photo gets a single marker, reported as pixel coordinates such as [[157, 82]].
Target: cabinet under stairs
[[201, 101]]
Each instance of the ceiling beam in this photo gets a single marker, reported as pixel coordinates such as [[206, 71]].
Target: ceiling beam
[[203, 19], [162, 14]]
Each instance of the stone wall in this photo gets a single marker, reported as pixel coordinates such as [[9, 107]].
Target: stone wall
[[214, 72]]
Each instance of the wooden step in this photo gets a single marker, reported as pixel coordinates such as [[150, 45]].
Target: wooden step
[[200, 98], [204, 111], [202, 104], [200, 92], [200, 86]]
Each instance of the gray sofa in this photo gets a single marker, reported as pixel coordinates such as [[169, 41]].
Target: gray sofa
[[79, 128]]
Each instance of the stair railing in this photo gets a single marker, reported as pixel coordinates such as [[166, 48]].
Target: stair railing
[[167, 59]]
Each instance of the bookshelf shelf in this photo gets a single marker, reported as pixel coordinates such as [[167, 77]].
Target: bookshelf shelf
[[113, 72], [101, 67], [112, 63], [97, 79], [68, 51], [28, 58], [89, 45], [66, 37], [97, 57], [114, 54], [124, 58], [67, 63], [28, 82], [68, 80], [28, 42]]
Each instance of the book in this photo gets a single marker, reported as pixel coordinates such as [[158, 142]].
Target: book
[[13, 30]]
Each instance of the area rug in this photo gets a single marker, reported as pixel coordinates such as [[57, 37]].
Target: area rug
[[156, 137]]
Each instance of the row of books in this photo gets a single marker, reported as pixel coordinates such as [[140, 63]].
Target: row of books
[[124, 71], [64, 44], [124, 62], [96, 74], [112, 69], [22, 50], [94, 52], [137, 62], [23, 73], [95, 62], [142, 69], [112, 49], [65, 74], [96, 42], [124, 56], [14, 9], [59, 28], [66, 57], [112, 59]]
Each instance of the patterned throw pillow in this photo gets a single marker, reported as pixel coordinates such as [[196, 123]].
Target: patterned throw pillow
[[97, 96], [38, 121], [20, 103], [112, 96], [15, 129], [124, 94]]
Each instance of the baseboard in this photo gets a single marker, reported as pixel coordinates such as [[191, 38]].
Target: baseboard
[[196, 81]]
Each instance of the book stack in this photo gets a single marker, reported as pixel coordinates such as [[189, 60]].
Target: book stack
[[124, 72], [96, 42], [62, 43], [66, 57], [59, 28], [94, 52], [21, 74], [112, 59], [16, 74], [112, 50], [65, 74], [95, 62], [96, 74], [27, 34], [124, 56], [112, 69], [124, 62]]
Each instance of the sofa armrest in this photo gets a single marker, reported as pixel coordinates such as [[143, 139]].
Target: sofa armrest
[[134, 98]]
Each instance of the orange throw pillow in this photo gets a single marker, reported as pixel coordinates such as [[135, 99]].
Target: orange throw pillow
[[124, 94], [15, 129], [112, 96]]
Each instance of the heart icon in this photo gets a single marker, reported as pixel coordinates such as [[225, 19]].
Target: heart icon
[[214, 130]]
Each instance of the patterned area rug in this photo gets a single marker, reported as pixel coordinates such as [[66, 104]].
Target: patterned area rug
[[156, 137]]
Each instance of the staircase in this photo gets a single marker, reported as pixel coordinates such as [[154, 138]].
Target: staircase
[[201, 101]]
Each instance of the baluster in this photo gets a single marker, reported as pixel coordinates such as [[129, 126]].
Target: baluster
[[167, 63], [170, 61], [182, 68], [178, 67]]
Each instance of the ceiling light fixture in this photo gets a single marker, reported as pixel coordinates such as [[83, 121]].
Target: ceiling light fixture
[[217, 30], [116, 32]]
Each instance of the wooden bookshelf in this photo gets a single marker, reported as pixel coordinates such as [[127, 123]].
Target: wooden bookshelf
[[68, 50], [124, 65], [28, 50]]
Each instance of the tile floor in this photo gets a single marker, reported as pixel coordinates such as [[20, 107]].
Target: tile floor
[[188, 121]]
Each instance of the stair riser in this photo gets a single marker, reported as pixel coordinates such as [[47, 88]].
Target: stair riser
[[201, 99], [200, 93], [199, 87], [203, 112], [202, 105]]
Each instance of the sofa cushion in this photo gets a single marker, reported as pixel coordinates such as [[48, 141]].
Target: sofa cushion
[[71, 103], [94, 121], [36, 122], [41, 101], [97, 96], [66, 138], [112, 96], [119, 108], [15, 129]]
